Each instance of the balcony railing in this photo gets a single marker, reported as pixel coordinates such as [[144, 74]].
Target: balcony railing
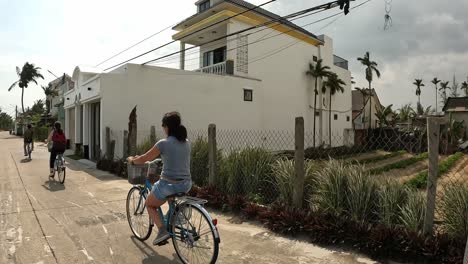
[[222, 68]]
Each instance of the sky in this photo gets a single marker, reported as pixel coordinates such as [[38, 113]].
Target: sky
[[428, 39]]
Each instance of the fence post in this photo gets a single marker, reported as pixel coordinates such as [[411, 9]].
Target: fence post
[[153, 134], [108, 142], [212, 151], [125, 146], [433, 133], [298, 193], [465, 259]]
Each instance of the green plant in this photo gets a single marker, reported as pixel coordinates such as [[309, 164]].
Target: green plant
[[380, 158], [399, 164], [419, 83], [334, 85], [371, 67], [413, 211], [248, 171], [391, 195], [420, 180], [145, 145], [29, 73], [360, 194], [283, 171], [40, 133], [199, 161], [454, 211], [332, 183]]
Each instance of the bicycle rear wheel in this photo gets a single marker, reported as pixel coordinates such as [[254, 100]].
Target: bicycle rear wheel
[[60, 171], [195, 237], [137, 215]]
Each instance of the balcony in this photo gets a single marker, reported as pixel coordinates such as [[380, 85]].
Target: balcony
[[222, 68], [340, 62]]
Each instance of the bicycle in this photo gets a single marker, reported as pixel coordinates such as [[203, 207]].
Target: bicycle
[[60, 168], [191, 227]]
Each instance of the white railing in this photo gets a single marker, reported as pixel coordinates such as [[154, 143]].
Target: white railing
[[218, 68]]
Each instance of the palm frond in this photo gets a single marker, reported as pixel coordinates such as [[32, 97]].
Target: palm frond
[[13, 85]]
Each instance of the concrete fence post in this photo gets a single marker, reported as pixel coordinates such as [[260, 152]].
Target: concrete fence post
[[108, 142], [125, 146], [298, 193], [433, 135], [465, 259], [212, 152]]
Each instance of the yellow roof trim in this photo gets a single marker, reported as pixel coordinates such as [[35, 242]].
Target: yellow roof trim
[[249, 18]]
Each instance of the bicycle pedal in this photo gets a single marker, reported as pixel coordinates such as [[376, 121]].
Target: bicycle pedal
[[165, 242]]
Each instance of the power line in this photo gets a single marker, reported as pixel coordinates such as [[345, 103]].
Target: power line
[[173, 41], [302, 12], [132, 46]]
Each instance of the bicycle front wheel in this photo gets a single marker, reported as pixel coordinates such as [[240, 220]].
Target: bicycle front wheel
[[195, 237], [60, 172], [137, 215]]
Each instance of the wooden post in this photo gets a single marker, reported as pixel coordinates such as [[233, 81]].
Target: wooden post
[[125, 146], [108, 142], [298, 193], [153, 134], [433, 133], [465, 259], [212, 151]]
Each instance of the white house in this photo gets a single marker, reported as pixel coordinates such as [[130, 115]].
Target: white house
[[246, 81], [362, 109]]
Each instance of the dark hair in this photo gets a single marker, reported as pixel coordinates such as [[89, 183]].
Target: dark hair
[[174, 126], [58, 127]]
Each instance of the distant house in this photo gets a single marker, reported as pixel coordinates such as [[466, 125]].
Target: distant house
[[242, 81], [361, 109], [61, 85], [456, 108]]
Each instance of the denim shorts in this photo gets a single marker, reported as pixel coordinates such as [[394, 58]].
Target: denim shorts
[[162, 188]]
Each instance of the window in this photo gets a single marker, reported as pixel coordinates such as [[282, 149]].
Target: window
[[315, 58], [203, 6], [242, 55], [347, 118], [335, 116], [214, 56], [248, 95]]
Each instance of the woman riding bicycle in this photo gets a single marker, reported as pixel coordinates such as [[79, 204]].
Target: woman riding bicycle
[[175, 175], [59, 142]]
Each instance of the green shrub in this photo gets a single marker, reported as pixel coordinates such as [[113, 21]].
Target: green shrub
[[248, 172], [413, 211], [420, 180], [399, 164], [145, 145], [40, 133], [199, 162], [332, 182], [391, 195], [455, 211], [283, 171], [360, 194], [380, 158]]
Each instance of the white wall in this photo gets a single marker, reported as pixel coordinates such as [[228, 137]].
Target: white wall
[[200, 98]]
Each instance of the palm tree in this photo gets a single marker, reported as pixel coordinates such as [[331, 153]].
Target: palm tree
[[334, 84], [382, 115], [443, 89], [421, 111], [50, 93], [464, 86], [29, 73], [405, 113], [435, 81], [364, 94], [371, 67], [419, 83], [317, 71]]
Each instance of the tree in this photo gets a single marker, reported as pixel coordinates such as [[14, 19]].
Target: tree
[[454, 88], [383, 115], [29, 73], [364, 94], [435, 81], [6, 121], [50, 93], [443, 91], [317, 71], [334, 85], [421, 111], [406, 112], [371, 67], [464, 87], [419, 83]]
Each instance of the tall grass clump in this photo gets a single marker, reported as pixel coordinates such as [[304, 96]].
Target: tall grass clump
[[145, 145], [413, 211], [332, 182], [248, 172], [391, 196], [199, 161], [361, 194], [454, 211], [283, 172]]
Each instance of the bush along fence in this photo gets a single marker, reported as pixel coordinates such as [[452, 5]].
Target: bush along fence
[[333, 195], [338, 200]]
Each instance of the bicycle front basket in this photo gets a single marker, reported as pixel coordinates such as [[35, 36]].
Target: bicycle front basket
[[137, 174]]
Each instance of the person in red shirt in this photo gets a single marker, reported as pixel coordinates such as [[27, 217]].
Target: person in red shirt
[[58, 143]]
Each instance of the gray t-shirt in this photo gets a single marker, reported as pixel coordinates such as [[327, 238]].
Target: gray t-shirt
[[176, 158]]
